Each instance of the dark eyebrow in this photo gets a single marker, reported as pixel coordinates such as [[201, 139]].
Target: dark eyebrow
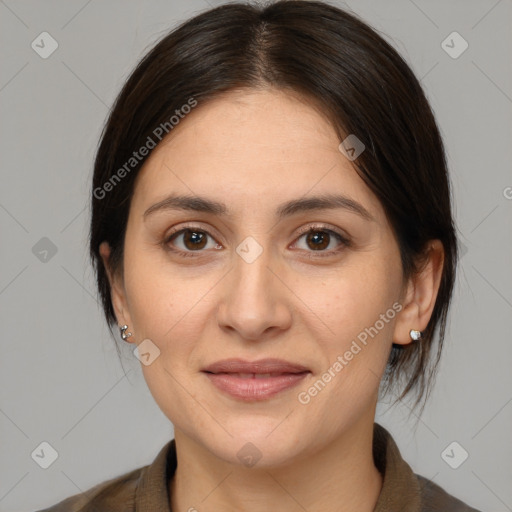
[[204, 205]]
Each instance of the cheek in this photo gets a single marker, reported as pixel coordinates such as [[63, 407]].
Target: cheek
[[169, 310], [167, 305], [353, 329], [344, 302], [154, 296], [353, 323]]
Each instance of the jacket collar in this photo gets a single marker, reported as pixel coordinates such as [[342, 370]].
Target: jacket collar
[[400, 487]]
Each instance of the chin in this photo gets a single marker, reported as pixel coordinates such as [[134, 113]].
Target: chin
[[258, 442], [256, 454]]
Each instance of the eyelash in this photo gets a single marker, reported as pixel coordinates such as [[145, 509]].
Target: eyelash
[[310, 229]]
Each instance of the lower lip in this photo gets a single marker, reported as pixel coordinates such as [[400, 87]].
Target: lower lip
[[251, 389]]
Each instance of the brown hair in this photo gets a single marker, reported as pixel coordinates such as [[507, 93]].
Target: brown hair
[[359, 82]]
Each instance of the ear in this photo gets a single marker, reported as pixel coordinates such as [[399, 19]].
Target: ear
[[420, 296], [117, 291]]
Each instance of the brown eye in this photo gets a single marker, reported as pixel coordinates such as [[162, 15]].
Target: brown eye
[[318, 239], [194, 239], [188, 240]]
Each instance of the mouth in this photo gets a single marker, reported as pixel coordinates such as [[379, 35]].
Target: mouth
[[253, 375], [254, 381]]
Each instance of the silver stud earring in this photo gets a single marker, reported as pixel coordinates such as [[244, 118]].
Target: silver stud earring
[[415, 335], [124, 334]]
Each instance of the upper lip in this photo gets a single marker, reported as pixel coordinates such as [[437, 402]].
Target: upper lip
[[261, 366]]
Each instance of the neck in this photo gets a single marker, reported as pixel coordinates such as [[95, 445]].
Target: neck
[[341, 477]]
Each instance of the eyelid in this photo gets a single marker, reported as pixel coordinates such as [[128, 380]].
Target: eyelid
[[320, 226], [191, 226]]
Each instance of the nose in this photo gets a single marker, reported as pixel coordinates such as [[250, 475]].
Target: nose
[[255, 301]]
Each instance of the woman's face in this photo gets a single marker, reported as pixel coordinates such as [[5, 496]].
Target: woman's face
[[248, 284]]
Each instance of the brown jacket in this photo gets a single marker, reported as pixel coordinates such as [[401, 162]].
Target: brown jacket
[[146, 488]]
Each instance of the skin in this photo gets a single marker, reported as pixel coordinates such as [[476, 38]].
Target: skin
[[254, 150]]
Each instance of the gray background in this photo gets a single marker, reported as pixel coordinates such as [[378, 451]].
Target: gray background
[[61, 381]]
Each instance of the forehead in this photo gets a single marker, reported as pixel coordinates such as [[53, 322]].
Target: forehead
[[251, 147], [240, 123]]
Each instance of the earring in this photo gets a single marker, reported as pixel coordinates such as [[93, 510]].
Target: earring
[[415, 335], [124, 334]]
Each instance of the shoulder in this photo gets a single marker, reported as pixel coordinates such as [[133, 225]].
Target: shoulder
[[144, 488], [436, 499], [115, 495]]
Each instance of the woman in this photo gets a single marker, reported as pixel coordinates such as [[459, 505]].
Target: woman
[[272, 230]]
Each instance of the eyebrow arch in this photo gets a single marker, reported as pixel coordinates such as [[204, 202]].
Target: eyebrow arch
[[205, 205]]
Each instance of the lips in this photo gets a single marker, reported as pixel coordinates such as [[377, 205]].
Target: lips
[[253, 375], [261, 367], [258, 380]]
